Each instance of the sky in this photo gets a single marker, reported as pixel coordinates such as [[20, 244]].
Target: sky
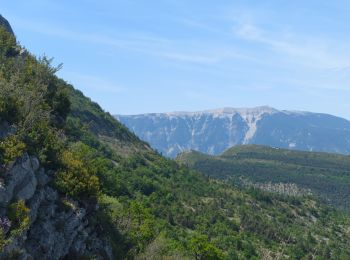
[[138, 56]]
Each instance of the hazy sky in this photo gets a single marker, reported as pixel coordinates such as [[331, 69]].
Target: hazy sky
[[137, 56]]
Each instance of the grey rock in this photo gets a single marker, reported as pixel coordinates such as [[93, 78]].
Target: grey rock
[[34, 204], [42, 178], [14, 249], [6, 130], [26, 162], [35, 163], [27, 189], [19, 183], [51, 194], [54, 232], [57, 233]]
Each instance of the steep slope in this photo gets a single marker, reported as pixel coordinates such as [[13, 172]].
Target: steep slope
[[214, 131], [5, 24], [322, 174], [47, 195], [76, 184]]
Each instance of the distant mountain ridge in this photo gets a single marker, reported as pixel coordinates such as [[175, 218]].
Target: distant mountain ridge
[[213, 131]]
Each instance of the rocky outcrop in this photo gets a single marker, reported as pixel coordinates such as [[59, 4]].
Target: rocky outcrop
[[19, 182], [59, 227], [6, 24], [6, 129]]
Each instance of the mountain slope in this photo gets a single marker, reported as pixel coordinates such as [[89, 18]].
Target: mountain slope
[[5, 24], [76, 184], [214, 131], [324, 175]]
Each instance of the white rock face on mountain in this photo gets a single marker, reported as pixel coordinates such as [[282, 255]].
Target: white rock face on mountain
[[213, 131]]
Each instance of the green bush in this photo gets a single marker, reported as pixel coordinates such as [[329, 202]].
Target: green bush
[[75, 178], [18, 213], [8, 43], [202, 249], [10, 149], [9, 105]]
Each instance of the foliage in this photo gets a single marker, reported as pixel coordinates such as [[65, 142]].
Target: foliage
[[94, 120], [201, 248], [17, 222], [8, 46], [32, 100], [77, 178], [204, 218], [18, 214], [10, 149], [325, 175], [149, 205]]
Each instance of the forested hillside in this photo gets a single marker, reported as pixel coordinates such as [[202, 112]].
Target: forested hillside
[[76, 184], [322, 174]]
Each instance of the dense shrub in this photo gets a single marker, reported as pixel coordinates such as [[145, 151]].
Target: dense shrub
[[8, 45], [77, 178], [201, 248], [18, 214], [10, 149]]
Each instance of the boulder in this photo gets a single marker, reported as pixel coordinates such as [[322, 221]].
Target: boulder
[[19, 182]]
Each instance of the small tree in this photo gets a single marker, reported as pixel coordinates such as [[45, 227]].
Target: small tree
[[202, 249], [77, 178]]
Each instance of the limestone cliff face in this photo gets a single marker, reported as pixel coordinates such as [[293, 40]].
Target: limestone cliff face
[[59, 227], [214, 131]]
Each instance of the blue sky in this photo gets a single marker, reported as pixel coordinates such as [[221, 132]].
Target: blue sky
[[137, 56]]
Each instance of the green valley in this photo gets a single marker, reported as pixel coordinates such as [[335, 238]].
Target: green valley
[[119, 199], [322, 174]]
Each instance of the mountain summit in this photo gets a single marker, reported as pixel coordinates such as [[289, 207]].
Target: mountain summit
[[213, 131], [228, 111]]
